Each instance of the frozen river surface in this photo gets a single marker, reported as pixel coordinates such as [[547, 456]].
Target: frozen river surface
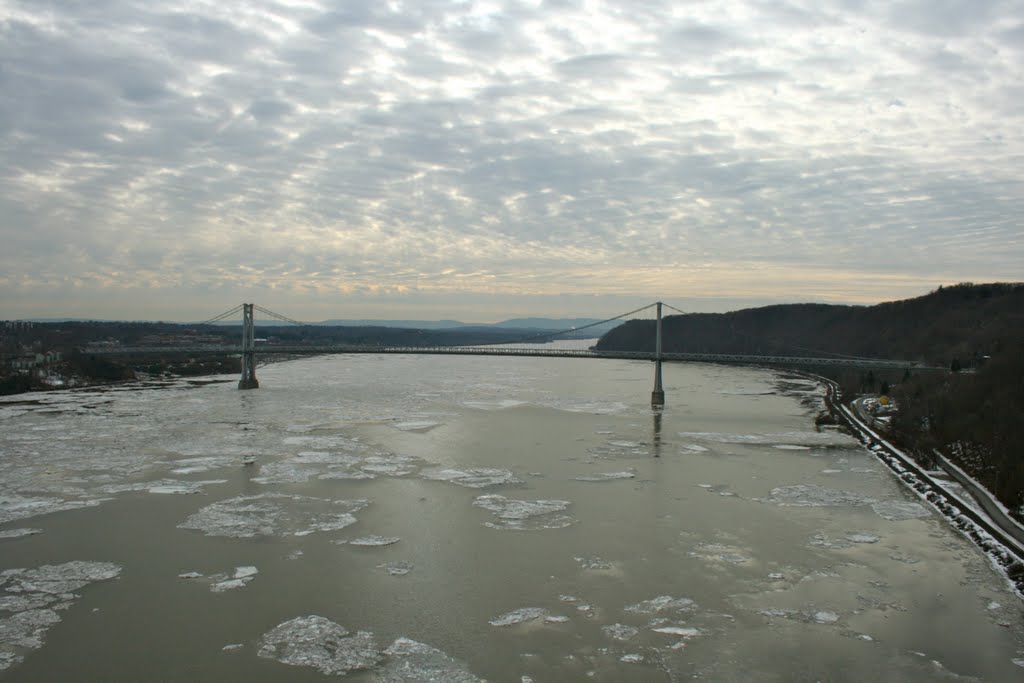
[[464, 519]]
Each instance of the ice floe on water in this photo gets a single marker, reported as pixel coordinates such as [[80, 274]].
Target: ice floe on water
[[809, 495], [862, 537], [808, 439], [320, 643], [594, 563], [583, 406], [472, 477], [330, 648], [607, 476], [409, 661], [33, 598], [416, 425], [396, 568], [493, 405], [273, 514], [224, 581], [241, 577], [202, 464], [898, 510], [620, 631], [523, 515], [518, 616], [680, 631], [373, 541], [331, 465], [19, 533], [14, 506], [661, 604]]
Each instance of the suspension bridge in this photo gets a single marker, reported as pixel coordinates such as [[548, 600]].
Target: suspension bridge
[[536, 345]]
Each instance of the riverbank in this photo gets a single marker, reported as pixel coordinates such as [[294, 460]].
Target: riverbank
[[995, 535]]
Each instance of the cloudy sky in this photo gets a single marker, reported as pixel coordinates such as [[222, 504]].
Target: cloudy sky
[[168, 159]]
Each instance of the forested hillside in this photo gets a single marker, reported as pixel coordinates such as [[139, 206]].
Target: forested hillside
[[962, 323], [974, 412]]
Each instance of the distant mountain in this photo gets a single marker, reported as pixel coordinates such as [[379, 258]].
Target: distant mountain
[[560, 324], [404, 324]]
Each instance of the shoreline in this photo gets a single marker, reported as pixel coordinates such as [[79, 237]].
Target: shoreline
[[1004, 552]]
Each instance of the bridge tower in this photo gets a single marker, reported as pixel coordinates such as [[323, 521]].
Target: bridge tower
[[658, 395], [248, 380]]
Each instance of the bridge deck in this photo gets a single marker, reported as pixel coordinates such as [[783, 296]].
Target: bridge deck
[[518, 351]]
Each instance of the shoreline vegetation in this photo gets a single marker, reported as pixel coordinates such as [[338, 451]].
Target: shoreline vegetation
[[971, 413]]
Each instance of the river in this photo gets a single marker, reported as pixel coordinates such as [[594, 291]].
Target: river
[[423, 518]]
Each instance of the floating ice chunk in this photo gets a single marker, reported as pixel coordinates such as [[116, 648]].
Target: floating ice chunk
[[820, 439], [373, 540], [593, 563], [805, 495], [631, 658], [203, 464], [556, 619], [233, 647], [831, 471], [1018, 662], [494, 405], [897, 510], [568, 598], [35, 596], [594, 407], [416, 425], [473, 477], [241, 577], [695, 448], [607, 476], [825, 617], [861, 537], [409, 661], [681, 631], [175, 489], [391, 465], [662, 603], [320, 643], [271, 514], [396, 568], [13, 506], [523, 515], [18, 533], [620, 631], [791, 447], [518, 616], [190, 575], [59, 579]]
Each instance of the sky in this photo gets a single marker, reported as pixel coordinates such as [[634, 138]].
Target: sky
[[484, 160]]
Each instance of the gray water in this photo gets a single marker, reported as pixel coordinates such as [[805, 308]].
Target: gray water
[[518, 518]]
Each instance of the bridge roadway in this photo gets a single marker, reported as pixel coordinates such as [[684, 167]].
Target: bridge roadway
[[537, 351]]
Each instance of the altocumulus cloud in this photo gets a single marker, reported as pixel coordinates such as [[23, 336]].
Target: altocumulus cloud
[[159, 159]]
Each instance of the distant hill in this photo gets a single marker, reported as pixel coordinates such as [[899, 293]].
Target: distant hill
[[965, 322], [403, 324]]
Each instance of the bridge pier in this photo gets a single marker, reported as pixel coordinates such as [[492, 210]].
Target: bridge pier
[[248, 379], [658, 395]]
